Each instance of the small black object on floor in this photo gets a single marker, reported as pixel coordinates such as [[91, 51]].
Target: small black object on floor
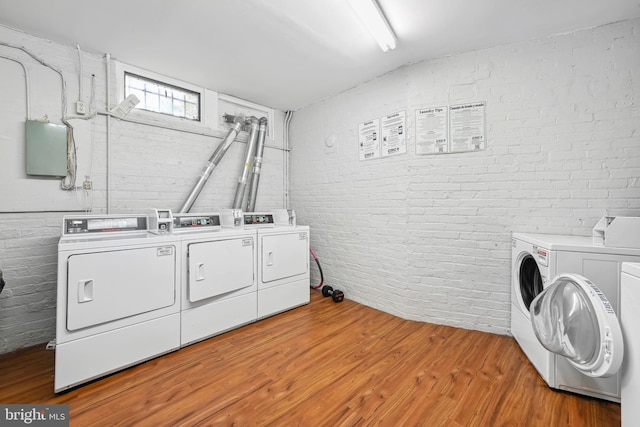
[[337, 295]]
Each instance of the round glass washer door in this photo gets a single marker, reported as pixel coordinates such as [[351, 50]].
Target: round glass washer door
[[573, 318], [530, 282]]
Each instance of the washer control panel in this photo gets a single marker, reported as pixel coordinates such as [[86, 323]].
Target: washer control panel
[[259, 219], [195, 222], [79, 225]]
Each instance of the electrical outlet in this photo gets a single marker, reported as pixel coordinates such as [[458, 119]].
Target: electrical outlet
[[87, 183], [80, 108]]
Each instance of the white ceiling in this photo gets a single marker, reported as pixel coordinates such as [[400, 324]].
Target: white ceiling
[[291, 53]]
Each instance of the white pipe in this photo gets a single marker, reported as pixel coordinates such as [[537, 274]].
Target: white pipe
[[108, 105], [41, 61], [214, 134], [26, 83], [80, 71], [287, 120]]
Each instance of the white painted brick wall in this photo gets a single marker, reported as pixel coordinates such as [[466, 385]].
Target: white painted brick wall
[[429, 237], [150, 168]]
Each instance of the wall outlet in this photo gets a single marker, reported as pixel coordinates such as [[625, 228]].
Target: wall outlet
[[80, 108], [86, 185]]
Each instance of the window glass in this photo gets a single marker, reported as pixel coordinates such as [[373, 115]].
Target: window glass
[[163, 98]]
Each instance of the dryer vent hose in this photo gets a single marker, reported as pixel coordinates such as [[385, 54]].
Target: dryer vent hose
[[319, 285]]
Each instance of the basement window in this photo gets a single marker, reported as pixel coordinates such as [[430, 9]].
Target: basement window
[[163, 98]]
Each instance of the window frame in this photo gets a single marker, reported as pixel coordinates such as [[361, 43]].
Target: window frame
[[197, 94], [208, 98]]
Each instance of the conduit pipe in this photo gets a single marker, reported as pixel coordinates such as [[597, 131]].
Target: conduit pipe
[[246, 167], [107, 58], [212, 163], [285, 159], [257, 166], [26, 83]]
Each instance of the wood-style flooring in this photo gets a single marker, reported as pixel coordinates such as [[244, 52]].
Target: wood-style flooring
[[324, 364]]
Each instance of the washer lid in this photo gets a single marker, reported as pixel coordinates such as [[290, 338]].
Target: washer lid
[[574, 319]]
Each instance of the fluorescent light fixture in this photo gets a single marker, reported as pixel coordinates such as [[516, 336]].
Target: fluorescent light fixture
[[372, 17]]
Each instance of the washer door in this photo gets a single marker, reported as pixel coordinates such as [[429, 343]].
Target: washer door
[[573, 318], [530, 282]]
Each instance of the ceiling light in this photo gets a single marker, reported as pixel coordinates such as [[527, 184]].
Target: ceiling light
[[372, 17]]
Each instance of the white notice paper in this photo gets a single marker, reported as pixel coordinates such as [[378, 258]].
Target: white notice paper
[[432, 130], [467, 127], [369, 139], [393, 134]]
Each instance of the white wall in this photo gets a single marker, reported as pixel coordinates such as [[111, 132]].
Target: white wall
[[429, 237], [150, 167]]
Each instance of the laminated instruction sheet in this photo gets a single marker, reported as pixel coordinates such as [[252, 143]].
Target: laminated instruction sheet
[[368, 139], [393, 134], [452, 129]]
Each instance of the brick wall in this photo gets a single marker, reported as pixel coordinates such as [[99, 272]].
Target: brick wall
[[151, 167], [428, 237]]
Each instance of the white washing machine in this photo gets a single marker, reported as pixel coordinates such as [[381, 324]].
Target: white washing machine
[[218, 276], [536, 260], [283, 260], [630, 319], [118, 296]]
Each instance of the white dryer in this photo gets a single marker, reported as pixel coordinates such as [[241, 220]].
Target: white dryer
[[583, 271], [117, 299], [283, 261], [218, 276]]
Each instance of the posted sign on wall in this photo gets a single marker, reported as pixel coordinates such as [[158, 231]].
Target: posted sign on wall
[[383, 137], [369, 139], [452, 129], [393, 134], [432, 130], [467, 127]]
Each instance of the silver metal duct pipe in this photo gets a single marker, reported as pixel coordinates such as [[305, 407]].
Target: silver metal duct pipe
[[213, 162], [246, 167], [257, 167]]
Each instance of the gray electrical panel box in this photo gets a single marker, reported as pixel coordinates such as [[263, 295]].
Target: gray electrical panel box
[[46, 149]]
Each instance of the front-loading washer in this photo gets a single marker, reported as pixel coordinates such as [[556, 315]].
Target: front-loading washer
[[219, 282], [538, 259], [117, 296]]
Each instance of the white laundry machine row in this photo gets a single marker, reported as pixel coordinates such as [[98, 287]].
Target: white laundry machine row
[[564, 299], [132, 287], [118, 296]]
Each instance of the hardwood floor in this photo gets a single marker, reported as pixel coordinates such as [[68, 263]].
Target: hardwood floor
[[323, 364]]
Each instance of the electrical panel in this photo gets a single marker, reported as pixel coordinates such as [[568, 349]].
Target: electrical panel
[[46, 152]]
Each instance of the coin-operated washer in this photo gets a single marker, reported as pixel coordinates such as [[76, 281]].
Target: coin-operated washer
[[283, 261], [562, 338], [118, 296], [219, 282]]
